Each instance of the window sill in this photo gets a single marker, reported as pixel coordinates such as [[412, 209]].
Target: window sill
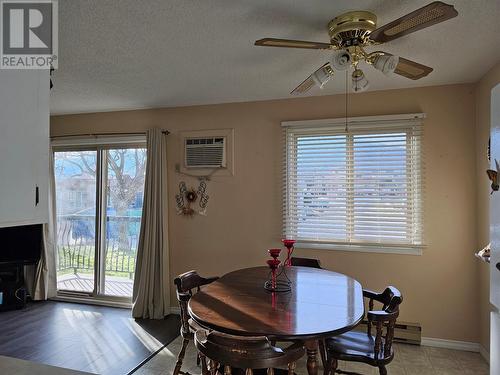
[[377, 249]]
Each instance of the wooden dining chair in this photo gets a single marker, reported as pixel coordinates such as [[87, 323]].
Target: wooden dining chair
[[363, 347], [306, 262], [246, 353], [187, 284]]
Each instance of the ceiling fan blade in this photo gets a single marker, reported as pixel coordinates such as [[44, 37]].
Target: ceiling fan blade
[[290, 43], [325, 71], [411, 69], [429, 15]]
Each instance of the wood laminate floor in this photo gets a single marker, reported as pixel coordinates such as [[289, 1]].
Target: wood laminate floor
[[95, 339], [14, 366]]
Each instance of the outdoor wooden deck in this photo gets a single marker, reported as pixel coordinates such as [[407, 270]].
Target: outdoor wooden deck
[[115, 286]]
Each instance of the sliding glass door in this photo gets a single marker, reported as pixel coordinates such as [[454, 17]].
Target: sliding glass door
[[99, 194], [124, 188], [76, 193]]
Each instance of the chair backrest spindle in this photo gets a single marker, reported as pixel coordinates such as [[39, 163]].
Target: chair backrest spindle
[[390, 299], [185, 284]]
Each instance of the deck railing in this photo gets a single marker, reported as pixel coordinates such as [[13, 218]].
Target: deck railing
[[76, 243]]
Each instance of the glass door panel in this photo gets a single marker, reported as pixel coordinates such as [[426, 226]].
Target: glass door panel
[[75, 175], [124, 192]]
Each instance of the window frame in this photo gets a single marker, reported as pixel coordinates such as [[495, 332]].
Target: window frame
[[370, 124]]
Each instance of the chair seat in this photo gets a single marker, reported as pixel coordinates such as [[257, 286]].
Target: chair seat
[[246, 352], [357, 346]]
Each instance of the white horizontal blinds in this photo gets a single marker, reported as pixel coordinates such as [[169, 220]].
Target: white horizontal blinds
[[320, 187], [415, 183], [359, 187], [381, 198]]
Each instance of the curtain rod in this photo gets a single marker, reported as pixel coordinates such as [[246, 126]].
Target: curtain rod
[[102, 134]]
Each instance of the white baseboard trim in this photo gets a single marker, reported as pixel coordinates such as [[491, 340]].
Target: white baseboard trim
[[484, 353], [451, 344]]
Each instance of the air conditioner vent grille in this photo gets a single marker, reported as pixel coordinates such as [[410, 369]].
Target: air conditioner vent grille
[[207, 152]]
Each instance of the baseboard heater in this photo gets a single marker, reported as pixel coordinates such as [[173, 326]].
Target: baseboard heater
[[408, 333]]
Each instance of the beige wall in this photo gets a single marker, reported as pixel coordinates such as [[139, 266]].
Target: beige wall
[[483, 91], [244, 214]]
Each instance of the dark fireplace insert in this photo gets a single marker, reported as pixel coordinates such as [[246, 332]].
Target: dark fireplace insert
[[19, 246]]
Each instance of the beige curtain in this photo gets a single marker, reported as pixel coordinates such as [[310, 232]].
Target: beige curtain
[[44, 284], [151, 296]]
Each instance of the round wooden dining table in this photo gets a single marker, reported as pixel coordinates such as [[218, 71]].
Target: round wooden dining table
[[321, 304]]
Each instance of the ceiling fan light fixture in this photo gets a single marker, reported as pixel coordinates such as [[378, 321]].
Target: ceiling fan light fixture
[[341, 59], [322, 75], [359, 81], [386, 63]]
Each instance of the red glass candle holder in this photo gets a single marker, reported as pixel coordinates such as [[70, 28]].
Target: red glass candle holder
[[289, 245], [275, 253], [273, 265]]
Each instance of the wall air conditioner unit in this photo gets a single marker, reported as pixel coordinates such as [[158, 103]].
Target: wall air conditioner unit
[[207, 152]]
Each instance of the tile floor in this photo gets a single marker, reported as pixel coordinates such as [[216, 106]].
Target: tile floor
[[409, 360]]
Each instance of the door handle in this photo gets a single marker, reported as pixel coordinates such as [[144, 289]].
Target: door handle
[[498, 266], [37, 196]]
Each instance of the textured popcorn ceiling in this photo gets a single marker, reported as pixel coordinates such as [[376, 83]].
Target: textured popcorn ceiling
[[127, 54]]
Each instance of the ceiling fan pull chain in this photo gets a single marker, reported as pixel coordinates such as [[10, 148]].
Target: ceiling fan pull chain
[[346, 98]]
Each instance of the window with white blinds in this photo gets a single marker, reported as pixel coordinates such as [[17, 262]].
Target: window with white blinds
[[360, 188]]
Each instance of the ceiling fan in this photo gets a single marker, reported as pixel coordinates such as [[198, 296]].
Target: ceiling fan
[[351, 32]]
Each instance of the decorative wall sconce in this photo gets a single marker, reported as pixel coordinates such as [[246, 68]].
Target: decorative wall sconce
[[187, 198], [493, 176]]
